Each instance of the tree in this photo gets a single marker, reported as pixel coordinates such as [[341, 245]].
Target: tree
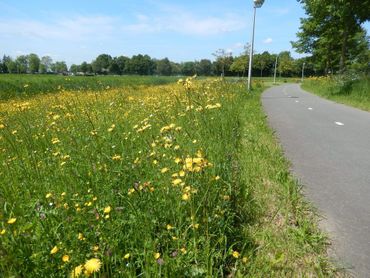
[[141, 64], [59, 67], [33, 63], [263, 62], [74, 69], [164, 67], [102, 63], [205, 67], [22, 64], [122, 62], [86, 68], [329, 30], [286, 66], [114, 67], [45, 64], [9, 65], [223, 59], [176, 68], [240, 64], [188, 68]]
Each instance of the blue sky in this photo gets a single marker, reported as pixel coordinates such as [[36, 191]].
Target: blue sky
[[79, 30]]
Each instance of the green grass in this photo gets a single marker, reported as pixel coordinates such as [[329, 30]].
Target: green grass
[[355, 93], [182, 180], [26, 85], [286, 240]]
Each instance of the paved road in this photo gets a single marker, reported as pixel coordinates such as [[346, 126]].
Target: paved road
[[328, 145]]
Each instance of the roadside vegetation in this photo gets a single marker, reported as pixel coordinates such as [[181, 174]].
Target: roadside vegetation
[[343, 89], [26, 85], [175, 180]]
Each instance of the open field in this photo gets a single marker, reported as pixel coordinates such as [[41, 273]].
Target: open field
[[175, 180], [26, 85], [355, 93]]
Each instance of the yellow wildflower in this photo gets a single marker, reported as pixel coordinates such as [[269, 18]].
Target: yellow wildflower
[[127, 256], [157, 255], [65, 258], [112, 127], [117, 157], [54, 250], [176, 181], [12, 220], [92, 265], [169, 227], [236, 254], [107, 209], [3, 231], [49, 195], [55, 141], [164, 170], [77, 271], [185, 197]]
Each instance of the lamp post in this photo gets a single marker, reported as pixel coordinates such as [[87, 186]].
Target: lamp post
[[277, 56], [303, 71], [257, 4]]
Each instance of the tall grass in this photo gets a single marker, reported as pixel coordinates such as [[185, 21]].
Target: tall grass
[[140, 179], [26, 85], [349, 90], [179, 180]]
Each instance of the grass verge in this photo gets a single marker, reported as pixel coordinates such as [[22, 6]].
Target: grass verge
[[354, 92], [286, 240]]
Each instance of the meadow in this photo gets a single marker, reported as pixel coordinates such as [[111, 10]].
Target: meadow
[[26, 85], [177, 180], [349, 90]]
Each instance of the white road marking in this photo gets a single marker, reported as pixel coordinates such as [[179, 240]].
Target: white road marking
[[339, 123], [310, 108], [297, 101]]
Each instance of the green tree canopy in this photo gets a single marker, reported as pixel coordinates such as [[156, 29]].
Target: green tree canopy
[[330, 30], [33, 63]]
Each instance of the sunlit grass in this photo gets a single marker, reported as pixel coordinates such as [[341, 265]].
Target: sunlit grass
[[172, 180], [27, 85], [354, 92]]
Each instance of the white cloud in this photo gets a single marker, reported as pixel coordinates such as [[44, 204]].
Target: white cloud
[[267, 41], [186, 23], [74, 28]]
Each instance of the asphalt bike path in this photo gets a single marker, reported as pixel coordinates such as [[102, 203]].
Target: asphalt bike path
[[328, 145]]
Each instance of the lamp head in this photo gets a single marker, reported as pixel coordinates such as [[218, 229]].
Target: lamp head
[[258, 3]]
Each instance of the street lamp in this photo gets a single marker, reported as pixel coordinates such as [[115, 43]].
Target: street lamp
[[257, 4], [303, 71], [277, 56]]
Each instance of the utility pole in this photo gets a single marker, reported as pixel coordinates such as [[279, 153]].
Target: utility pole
[[277, 56]]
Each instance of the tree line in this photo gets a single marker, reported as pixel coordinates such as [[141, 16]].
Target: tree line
[[333, 35], [224, 64]]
